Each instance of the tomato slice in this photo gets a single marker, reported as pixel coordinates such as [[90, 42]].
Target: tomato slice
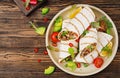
[[54, 37], [98, 62]]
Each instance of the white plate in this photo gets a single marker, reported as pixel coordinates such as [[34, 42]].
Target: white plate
[[91, 69]]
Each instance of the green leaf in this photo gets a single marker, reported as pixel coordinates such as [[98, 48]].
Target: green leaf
[[58, 24], [95, 24], [108, 31], [109, 24], [71, 52], [27, 3], [90, 47], [72, 65], [64, 33], [84, 33], [53, 48], [45, 10], [40, 30], [85, 64], [59, 19], [49, 70]]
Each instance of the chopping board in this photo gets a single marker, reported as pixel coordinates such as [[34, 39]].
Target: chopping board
[[21, 4]]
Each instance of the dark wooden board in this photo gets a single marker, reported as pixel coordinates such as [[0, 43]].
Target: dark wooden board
[[17, 40], [20, 4]]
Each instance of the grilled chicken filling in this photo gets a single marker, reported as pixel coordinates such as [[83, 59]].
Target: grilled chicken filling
[[88, 49], [67, 35]]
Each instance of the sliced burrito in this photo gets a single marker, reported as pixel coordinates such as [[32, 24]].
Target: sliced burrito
[[64, 47], [72, 29], [102, 40], [81, 21], [67, 39]]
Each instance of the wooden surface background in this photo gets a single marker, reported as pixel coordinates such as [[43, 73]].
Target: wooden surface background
[[17, 40]]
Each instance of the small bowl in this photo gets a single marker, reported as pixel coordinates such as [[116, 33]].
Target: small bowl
[[90, 70]]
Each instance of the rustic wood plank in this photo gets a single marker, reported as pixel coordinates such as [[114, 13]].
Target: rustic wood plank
[[17, 59]]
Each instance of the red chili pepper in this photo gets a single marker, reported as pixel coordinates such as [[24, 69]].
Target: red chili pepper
[[54, 44], [70, 44], [78, 65], [36, 50], [39, 60], [33, 2], [45, 19], [88, 27], [28, 8], [45, 52]]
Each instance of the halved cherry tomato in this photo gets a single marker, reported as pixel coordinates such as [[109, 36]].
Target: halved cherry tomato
[[33, 2], [45, 19], [39, 60], [70, 44], [54, 37], [98, 62], [45, 52], [28, 8], [36, 50], [78, 65]]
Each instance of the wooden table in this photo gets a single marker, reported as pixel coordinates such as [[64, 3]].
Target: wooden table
[[17, 40]]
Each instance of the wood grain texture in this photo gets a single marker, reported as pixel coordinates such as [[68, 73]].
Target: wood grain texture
[[18, 39]]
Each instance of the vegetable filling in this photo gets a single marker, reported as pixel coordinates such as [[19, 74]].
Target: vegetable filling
[[67, 35], [88, 49]]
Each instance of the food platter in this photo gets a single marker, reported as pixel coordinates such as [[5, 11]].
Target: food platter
[[91, 69]]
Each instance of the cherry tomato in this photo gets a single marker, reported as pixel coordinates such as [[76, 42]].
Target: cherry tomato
[[98, 62], [78, 65], [28, 8], [45, 19], [45, 52], [70, 44], [36, 50], [39, 60], [54, 37], [33, 2]]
